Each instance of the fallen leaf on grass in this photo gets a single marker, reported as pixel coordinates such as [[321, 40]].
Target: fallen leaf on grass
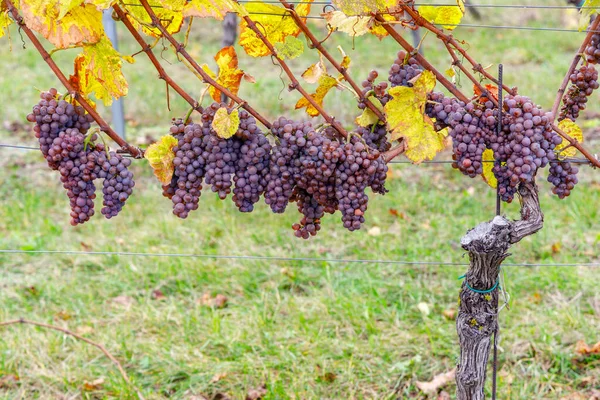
[[217, 377], [122, 300], [257, 393], [374, 231], [219, 301], [157, 294], [64, 315], [437, 382], [424, 308], [556, 247], [93, 385], [85, 246], [325, 376], [84, 330], [449, 314], [8, 381], [582, 348]]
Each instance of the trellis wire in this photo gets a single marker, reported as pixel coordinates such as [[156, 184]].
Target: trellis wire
[[280, 258], [570, 160]]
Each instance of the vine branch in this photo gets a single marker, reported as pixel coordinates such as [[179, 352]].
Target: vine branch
[[439, 76], [179, 48], [317, 44], [294, 82], [573, 142], [146, 48], [104, 127], [79, 337], [450, 40], [563, 86]]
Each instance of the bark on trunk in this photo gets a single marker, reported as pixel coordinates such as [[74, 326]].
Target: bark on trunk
[[477, 318]]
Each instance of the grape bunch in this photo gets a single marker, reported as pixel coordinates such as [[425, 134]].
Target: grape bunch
[[201, 156], [563, 176], [592, 50], [583, 82], [403, 70], [61, 131], [375, 136]]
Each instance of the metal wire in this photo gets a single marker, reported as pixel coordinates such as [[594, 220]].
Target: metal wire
[[570, 160], [277, 258]]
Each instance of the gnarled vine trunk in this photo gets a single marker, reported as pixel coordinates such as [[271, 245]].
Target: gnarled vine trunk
[[477, 318]]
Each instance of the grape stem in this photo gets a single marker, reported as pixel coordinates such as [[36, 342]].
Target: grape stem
[[79, 337], [344, 71], [104, 127], [146, 48], [179, 48], [294, 82], [563, 86], [395, 151], [448, 39], [410, 49]]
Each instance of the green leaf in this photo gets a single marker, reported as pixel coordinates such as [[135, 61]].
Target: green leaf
[[291, 48]]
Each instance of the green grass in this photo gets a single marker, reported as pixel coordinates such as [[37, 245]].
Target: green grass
[[308, 330]]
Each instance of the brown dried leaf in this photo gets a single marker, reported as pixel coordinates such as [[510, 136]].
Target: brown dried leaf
[[157, 294], [257, 393], [219, 301], [84, 330], [582, 348], [437, 382], [556, 247], [85, 246], [93, 385], [123, 300], [8, 381], [217, 377], [64, 315], [449, 313]]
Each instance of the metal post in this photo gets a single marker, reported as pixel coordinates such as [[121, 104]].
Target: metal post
[[118, 118]]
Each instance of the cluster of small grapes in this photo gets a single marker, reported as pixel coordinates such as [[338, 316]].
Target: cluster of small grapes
[[201, 155], [403, 70], [525, 145], [61, 128], [563, 175], [583, 82], [375, 136], [321, 175], [593, 49]]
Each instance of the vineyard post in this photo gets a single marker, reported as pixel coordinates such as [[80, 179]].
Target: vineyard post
[[477, 318], [118, 117]]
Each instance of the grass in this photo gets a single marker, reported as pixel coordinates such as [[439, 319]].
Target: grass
[[307, 330]]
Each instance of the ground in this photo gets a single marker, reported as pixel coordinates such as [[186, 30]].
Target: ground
[[307, 329]]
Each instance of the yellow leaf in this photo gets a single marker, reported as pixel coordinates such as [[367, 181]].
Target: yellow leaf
[[171, 17], [447, 16], [588, 9], [572, 129], [368, 117], [405, 116], [352, 25], [229, 74], [355, 7], [345, 59], [160, 156], [81, 24], [326, 82], [273, 21], [291, 48], [488, 176], [377, 29], [98, 70], [226, 124], [314, 72], [5, 21], [204, 8]]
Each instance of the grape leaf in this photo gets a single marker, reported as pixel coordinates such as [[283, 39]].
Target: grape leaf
[[5, 21], [587, 10], [368, 117], [572, 129], [314, 72], [170, 17], [406, 118], [226, 124], [491, 89], [326, 83], [204, 8], [160, 156], [447, 16], [356, 25], [98, 70], [275, 24], [229, 74], [356, 7], [345, 60], [292, 47], [487, 175], [79, 25]]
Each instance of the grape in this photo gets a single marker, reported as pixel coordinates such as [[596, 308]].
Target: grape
[[563, 176], [379, 90], [312, 213], [118, 182], [375, 136], [593, 49], [177, 130], [583, 82], [403, 70]]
